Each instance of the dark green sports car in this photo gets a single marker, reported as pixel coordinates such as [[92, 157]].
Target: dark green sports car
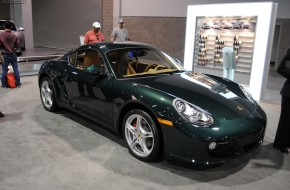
[[139, 91]]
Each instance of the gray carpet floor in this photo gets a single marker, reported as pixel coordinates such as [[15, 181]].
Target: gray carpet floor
[[44, 151]]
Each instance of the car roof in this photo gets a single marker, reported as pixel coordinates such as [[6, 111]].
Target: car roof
[[2, 20], [2, 24], [108, 46]]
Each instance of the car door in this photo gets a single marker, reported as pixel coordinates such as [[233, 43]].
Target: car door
[[87, 85]]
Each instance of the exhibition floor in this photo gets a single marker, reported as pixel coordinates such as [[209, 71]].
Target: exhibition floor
[[43, 150]]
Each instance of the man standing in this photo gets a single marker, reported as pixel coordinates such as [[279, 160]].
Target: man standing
[[8, 44], [94, 35], [282, 140], [120, 34]]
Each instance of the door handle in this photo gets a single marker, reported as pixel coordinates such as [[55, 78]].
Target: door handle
[[67, 79]]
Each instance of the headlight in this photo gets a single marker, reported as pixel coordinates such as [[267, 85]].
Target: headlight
[[248, 95], [192, 113]]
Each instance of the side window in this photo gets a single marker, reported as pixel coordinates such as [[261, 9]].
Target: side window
[[85, 58], [119, 61], [80, 59], [72, 59]]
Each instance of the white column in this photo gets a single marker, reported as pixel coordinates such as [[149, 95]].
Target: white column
[[21, 14], [117, 12]]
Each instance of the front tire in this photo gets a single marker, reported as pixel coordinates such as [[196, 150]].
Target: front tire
[[141, 135], [47, 95]]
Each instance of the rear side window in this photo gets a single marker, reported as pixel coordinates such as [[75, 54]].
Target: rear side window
[[85, 58]]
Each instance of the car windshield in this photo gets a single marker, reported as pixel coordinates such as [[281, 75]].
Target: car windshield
[[141, 62], [3, 28]]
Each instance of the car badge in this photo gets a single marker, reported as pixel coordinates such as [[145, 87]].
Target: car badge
[[240, 108]]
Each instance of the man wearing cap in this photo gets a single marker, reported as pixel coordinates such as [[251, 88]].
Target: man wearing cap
[[120, 34], [94, 35]]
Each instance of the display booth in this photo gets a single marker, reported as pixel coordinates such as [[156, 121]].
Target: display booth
[[231, 40]]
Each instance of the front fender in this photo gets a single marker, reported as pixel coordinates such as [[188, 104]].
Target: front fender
[[54, 71]]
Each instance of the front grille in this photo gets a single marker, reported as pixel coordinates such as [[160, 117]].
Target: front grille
[[222, 152], [250, 146], [237, 145]]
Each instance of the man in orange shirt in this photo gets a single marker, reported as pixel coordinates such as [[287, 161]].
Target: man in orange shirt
[[94, 35]]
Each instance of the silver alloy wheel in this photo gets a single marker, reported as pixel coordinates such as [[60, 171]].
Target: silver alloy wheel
[[46, 94], [139, 135]]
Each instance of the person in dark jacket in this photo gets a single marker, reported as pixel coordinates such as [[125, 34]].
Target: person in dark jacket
[[282, 138]]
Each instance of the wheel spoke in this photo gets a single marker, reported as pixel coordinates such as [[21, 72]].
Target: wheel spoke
[[143, 146], [139, 123], [146, 134], [48, 90], [131, 128], [133, 144], [49, 100], [43, 90]]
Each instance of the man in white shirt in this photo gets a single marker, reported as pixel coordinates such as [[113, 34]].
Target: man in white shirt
[[120, 34]]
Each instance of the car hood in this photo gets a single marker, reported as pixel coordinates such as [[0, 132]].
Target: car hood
[[214, 97]]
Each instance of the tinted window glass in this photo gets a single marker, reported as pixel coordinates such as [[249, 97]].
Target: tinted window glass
[[136, 62], [85, 58], [11, 23]]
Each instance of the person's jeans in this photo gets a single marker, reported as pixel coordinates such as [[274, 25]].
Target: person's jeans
[[10, 58]]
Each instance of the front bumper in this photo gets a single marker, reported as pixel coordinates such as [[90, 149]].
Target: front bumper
[[233, 138]]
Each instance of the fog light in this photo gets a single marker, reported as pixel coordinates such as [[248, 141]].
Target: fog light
[[212, 145]]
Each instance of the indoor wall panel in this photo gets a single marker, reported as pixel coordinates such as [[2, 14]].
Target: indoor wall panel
[[60, 23], [167, 33], [4, 10]]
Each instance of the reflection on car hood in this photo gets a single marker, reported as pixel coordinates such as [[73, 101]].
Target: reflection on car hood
[[201, 90]]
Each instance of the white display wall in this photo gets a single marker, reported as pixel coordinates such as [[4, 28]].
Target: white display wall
[[264, 15]]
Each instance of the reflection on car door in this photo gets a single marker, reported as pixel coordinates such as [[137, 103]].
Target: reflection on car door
[[89, 92]]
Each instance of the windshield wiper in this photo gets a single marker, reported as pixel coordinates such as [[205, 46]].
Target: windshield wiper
[[172, 72], [141, 75], [155, 74]]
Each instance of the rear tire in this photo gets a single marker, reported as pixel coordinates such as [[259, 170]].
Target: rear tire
[[141, 135], [47, 95]]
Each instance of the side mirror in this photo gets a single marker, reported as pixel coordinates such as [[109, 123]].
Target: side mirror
[[20, 29]]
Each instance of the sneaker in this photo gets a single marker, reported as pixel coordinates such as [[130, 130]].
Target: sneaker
[[4, 86], [18, 86], [1, 114]]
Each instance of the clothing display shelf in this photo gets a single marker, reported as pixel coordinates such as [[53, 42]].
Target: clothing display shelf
[[208, 51]]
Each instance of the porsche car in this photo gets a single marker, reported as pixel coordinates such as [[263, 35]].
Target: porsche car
[[216, 26], [18, 31], [237, 25], [205, 26], [227, 25], [160, 109]]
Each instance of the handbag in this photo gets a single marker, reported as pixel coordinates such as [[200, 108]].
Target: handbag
[[11, 81]]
